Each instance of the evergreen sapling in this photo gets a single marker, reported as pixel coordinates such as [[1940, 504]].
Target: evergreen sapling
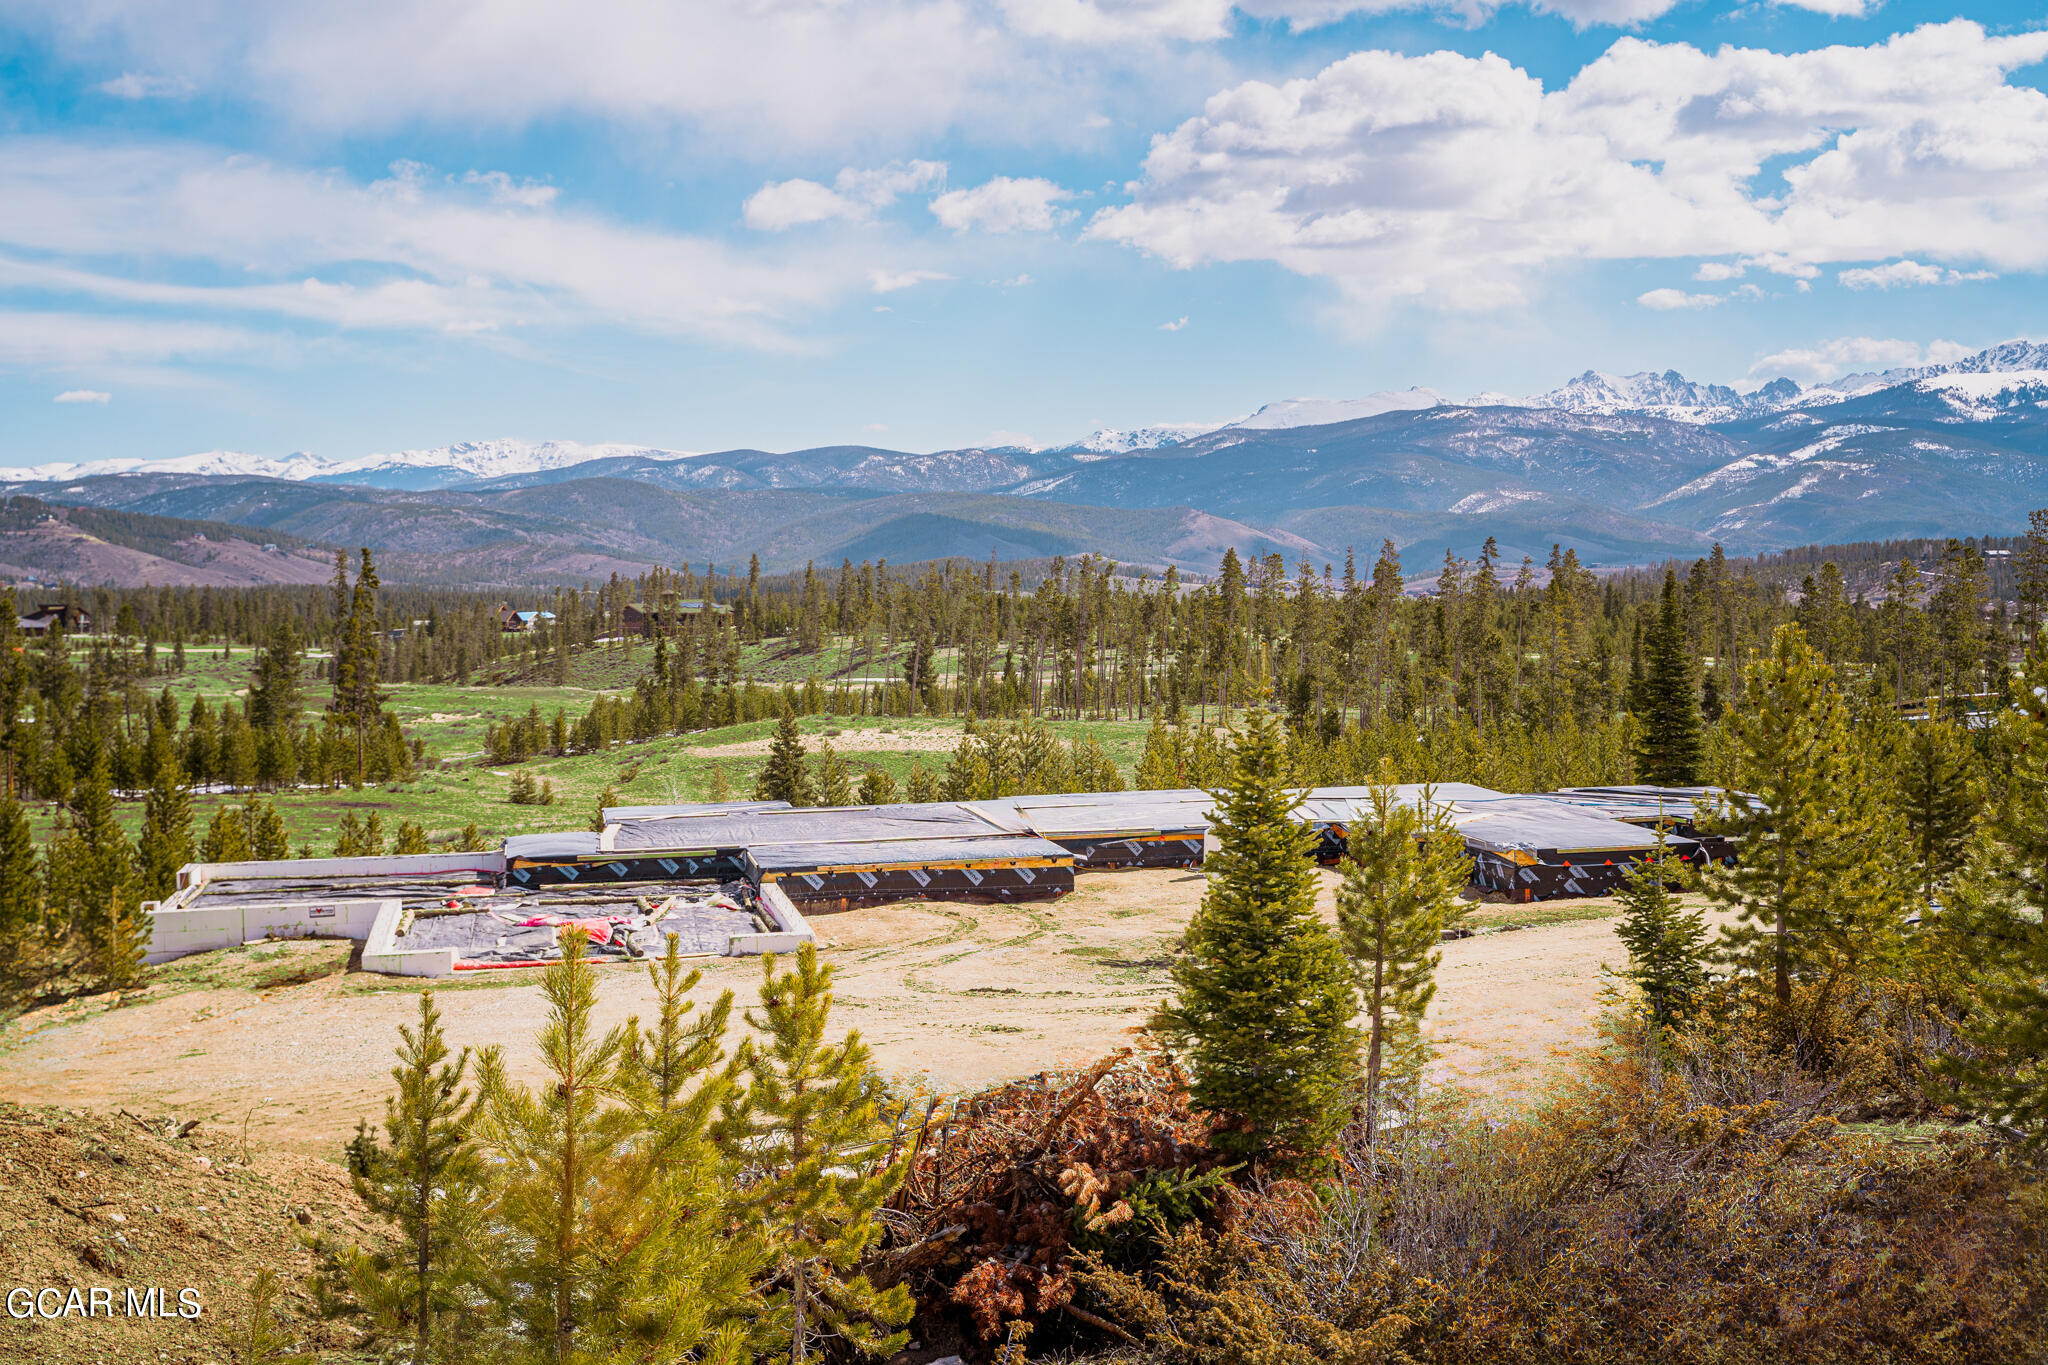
[[1666, 941], [1263, 1005], [810, 1149], [427, 1180], [1403, 868]]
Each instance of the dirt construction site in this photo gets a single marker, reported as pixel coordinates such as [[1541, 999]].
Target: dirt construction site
[[282, 1038], [191, 1133]]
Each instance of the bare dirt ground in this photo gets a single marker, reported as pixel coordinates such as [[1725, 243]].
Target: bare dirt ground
[[959, 995], [937, 740], [130, 1206]]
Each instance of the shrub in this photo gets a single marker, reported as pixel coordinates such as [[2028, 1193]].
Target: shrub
[[1018, 1179], [528, 792], [1673, 1200]]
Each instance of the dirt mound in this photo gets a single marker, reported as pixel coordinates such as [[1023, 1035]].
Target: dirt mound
[[124, 1205]]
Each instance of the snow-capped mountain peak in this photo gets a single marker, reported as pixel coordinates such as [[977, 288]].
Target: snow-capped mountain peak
[[232, 463], [495, 459], [1322, 412], [2007, 357], [1670, 395], [424, 468], [1105, 441]]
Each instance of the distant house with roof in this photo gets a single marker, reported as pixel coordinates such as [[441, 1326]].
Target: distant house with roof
[[72, 620], [646, 620], [514, 622]]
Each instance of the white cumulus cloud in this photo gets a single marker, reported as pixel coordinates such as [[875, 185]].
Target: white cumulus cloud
[[1834, 9], [1901, 274], [759, 74], [1004, 204], [1835, 358], [855, 194], [139, 85], [884, 281], [99, 396], [789, 203], [1175, 325], [414, 251], [1455, 180], [505, 190], [1669, 300]]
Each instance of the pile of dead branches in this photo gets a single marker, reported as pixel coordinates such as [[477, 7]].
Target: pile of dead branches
[[1015, 1179]]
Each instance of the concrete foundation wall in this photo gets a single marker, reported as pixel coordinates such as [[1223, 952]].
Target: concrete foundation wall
[[176, 932], [792, 930], [384, 951], [194, 876]]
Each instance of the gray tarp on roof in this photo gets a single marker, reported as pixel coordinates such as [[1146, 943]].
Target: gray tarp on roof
[[1639, 803], [1348, 805], [831, 824], [783, 858], [1539, 825], [272, 890], [566, 844], [617, 815], [1412, 791], [1077, 815]]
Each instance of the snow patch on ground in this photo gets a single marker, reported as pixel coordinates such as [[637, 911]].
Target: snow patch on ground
[[1494, 499]]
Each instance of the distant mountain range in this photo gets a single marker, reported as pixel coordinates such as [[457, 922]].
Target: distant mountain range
[[1627, 468]]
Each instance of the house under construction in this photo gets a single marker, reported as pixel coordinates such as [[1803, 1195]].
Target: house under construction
[[738, 877]]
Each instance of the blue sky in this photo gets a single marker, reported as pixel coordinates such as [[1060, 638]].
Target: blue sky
[[923, 223]]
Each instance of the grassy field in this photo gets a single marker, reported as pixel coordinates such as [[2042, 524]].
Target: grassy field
[[455, 787]]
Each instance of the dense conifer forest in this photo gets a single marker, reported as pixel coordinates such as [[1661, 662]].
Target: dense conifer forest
[[1812, 1131]]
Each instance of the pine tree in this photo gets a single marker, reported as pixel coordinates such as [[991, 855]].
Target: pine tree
[[121, 945], [358, 696], [811, 1150], [102, 868], [835, 783], [602, 1232], [786, 778], [350, 838], [1264, 1004], [13, 684], [268, 838], [1403, 869], [412, 838], [606, 799], [1666, 942], [21, 881], [1160, 767], [275, 695], [1940, 797], [262, 1338], [676, 1051], [969, 777], [2003, 906], [166, 843], [1669, 744], [877, 788], [721, 789], [1090, 768], [425, 1178], [227, 837], [1817, 888], [922, 786]]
